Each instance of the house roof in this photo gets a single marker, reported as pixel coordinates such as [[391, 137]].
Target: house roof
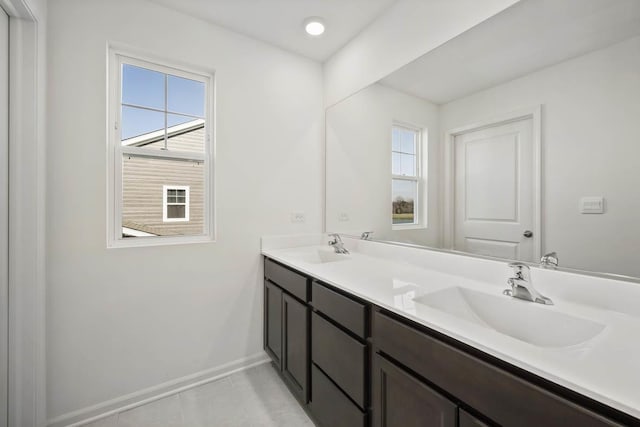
[[158, 135]]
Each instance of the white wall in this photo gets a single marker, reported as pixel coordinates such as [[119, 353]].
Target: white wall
[[590, 148], [404, 32], [122, 320], [359, 163]]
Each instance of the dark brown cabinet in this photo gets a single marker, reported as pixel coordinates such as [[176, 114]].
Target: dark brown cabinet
[[492, 391], [339, 355], [354, 364], [286, 326], [348, 313], [330, 406], [401, 400], [465, 419], [295, 339], [273, 322]]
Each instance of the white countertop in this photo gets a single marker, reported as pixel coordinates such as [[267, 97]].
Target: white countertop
[[605, 368]]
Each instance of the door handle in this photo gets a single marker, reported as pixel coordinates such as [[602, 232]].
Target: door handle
[[528, 234]]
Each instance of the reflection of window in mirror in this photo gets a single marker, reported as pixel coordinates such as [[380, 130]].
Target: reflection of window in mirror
[[406, 171]]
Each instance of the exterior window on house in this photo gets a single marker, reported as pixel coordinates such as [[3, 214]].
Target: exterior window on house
[[176, 203], [160, 148], [405, 176]]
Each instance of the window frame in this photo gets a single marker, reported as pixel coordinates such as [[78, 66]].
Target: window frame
[[418, 220], [165, 203], [115, 150]]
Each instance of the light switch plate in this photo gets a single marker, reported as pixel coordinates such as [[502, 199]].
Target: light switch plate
[[592, 205], [297, 217]]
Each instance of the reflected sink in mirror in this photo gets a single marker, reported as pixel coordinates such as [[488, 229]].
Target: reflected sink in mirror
[[320, 256], [522, 320]]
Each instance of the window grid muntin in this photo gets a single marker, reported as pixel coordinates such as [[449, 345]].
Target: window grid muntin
[[157, 110]]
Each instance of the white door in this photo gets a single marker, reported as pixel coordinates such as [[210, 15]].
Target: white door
[[4, 212], [494, 194]]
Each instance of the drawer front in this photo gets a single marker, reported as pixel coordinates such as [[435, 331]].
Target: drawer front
[[348, 313], [329, 406], [468, 420], [499, 395], [292, 282], [341, 357]]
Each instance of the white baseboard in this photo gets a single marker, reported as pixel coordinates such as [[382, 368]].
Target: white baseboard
[[141, 397]]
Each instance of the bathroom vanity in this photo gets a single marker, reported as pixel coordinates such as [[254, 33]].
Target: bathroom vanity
[[366, 339], [509, 147]]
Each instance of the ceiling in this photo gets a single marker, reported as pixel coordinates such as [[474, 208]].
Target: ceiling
[[524, 38], [280, 22]]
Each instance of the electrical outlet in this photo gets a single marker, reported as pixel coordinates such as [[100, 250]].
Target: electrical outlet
[[297, 217], [344, 217]]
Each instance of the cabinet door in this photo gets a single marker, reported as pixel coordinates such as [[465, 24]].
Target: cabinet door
[[295, 352], [400, 400], [273, 322]]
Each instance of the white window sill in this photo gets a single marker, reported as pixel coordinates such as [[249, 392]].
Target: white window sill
[[137, 242], [399, 227]]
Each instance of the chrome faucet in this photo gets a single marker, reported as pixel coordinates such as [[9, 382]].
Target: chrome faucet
[[549, 260], [337, 244], [366, 235], [521, 286]]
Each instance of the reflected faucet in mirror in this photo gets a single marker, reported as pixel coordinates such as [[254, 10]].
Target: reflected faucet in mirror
[[549, 260], [366, 235], [522, 286]]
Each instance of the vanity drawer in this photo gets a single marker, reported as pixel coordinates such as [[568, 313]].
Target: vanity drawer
[[292, 282], [341, 357], [329, 406], [349, 313], [490, 390], [465, 419]]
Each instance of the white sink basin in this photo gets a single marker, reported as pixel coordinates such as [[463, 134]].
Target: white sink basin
[[320, 256], [526, 321]]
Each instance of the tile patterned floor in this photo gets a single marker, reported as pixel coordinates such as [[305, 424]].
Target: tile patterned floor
[[256, 397]]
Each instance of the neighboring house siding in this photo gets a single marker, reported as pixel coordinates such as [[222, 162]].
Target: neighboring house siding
[[192, 141], [143, 180]]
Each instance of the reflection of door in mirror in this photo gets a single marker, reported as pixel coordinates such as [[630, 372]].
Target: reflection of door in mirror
[[493, 188]]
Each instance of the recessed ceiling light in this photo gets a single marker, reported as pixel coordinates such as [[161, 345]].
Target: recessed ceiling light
[[314, 26]]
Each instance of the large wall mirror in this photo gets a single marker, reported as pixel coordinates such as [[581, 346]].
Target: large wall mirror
[[517, 138]]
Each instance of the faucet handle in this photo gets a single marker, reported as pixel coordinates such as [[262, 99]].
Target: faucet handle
[[521, 270], [336, 238], [366, 235]]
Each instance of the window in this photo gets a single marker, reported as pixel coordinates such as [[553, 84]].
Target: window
[[160, 166], [405, 176], [175, 206]]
